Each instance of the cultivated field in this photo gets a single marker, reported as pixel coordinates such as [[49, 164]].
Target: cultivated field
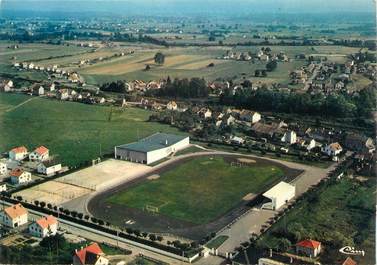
[[76, 132]]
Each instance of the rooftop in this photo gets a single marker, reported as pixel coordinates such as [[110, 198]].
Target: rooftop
[[279, 188], [309, 244], [154, 142], [15, 211], [46, 221]]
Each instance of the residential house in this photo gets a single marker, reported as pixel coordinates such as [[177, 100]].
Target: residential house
[[6, 85], [359, 143], [172, 105], [62, 94], [153, 85], [74, 78], [3, 186], [289, 137], [19, 176], [37, 90], [250, 116], [49, 167], [205, 113], [51, 87], [349, 261], [237, 140], [14, 216], [264, 57], [91, 254], [3, 168], [230, 120], [332, 149], [18, 153], [310, 248], [307, 144], [39, 154], [44, 227], [260, 129], [138, 85]]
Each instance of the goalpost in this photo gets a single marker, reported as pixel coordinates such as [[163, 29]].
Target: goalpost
[[151, 209]]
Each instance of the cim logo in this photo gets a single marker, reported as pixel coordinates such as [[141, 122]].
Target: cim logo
[[351, 251]]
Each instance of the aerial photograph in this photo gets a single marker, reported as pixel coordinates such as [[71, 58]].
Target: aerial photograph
[[173, 132]]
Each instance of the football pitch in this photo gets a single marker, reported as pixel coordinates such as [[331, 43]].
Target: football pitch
[[200, 189]]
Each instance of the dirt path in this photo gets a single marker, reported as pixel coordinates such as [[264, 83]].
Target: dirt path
[[19, 105]]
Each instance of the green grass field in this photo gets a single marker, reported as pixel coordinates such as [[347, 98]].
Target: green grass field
[[77, 132], [200, 189]]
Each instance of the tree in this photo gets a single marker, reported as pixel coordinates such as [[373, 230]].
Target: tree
[[42, 204], [147, 67], [159, 58], [271, 65], [152, 237], [159, 238]]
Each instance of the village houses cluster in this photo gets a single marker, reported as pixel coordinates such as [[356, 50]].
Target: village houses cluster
[[16, 168]]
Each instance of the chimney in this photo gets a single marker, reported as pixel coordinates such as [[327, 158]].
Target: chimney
[[291, 260], [75, 250], [270, 252]]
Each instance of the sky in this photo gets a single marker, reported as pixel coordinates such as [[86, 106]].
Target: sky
[[192, 6]]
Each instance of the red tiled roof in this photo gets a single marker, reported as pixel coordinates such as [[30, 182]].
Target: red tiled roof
[[16, 172], [41, 150], [47, 221], [20, 149], [15, 211], [92, 249], [309, 244], [349, 261]]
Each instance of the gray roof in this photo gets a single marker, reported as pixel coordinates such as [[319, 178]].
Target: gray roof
[[154, 142]]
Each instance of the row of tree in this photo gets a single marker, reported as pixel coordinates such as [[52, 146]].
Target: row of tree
[[184, 88], [337, 105]]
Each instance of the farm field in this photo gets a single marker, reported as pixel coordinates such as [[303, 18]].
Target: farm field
[[201, 189], [76, 132]]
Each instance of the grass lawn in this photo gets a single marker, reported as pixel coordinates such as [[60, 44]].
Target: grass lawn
[[77, 132], [200, 189]]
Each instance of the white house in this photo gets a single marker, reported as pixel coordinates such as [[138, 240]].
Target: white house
[[172, 105], [230, 120], [310, 145], [279, 195], [39, 154], [91, 254], [289, 137], [3, 168], [14, 216], [18, 153], [332, 149], [3, 186], [153, 148], [49, 167], [18, 176], [250, 116], [6, 85], [237, 140], [43, 227]]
